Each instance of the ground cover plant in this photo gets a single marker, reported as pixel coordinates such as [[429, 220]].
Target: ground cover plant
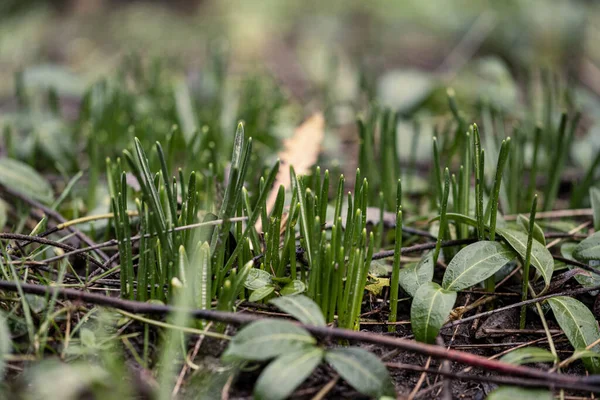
[[229, 235]]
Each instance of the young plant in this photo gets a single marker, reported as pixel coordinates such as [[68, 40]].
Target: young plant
[[295, 354]]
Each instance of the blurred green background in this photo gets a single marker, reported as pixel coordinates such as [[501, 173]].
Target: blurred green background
[[329, 55]]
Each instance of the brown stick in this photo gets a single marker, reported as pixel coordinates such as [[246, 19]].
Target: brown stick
[[549, 379]]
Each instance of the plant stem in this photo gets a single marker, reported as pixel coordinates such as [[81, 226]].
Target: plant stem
[[443, 221], [527, 262]]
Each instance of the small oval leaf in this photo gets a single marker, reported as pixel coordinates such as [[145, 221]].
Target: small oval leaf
[[294, 287], [580, 326], [414, 275], [588, 249], [286, 373], [528, 355], [261, 293], [429, 310], [257, 278], [362, 370], [266, 339], [302, 308], [475, 263], [541, 259]]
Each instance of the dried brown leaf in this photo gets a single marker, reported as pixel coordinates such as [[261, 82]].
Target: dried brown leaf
[[301, 151]]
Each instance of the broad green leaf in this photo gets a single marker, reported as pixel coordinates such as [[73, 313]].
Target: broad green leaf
[[585, 278], [526, 355], [362, 370], [257, 278], [514, 393], [541, 259], [475, 263], [294, 287], [580, 326], [414, 275], [286, 373], [588, 249], [538, 233], [302, 308], [4, 342], [23, 179], [266, 339], [566, 250], [595, 201], [429, 310], [261, 293]]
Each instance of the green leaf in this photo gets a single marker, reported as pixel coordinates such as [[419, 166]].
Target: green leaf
[[526, 355], [595, 201], [268, 338], [5, 342], [414, 275], [580, 326], [294, 287], [257, 278], [261, 293], [513, 393], [538, 233], [21, 178], [585, 278], [541, 259], [430, 309], [286, 373], [302, 308], [475, 263], [362, 370], [588, 249]]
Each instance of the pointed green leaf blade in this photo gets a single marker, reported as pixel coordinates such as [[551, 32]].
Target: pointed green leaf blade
[[266, 339], [580, 326], [541, 259], [413, 276], [362, 370], [286, 373], [528, 355], [302, 308], [475, 263], [588, 249], [429, 310]]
